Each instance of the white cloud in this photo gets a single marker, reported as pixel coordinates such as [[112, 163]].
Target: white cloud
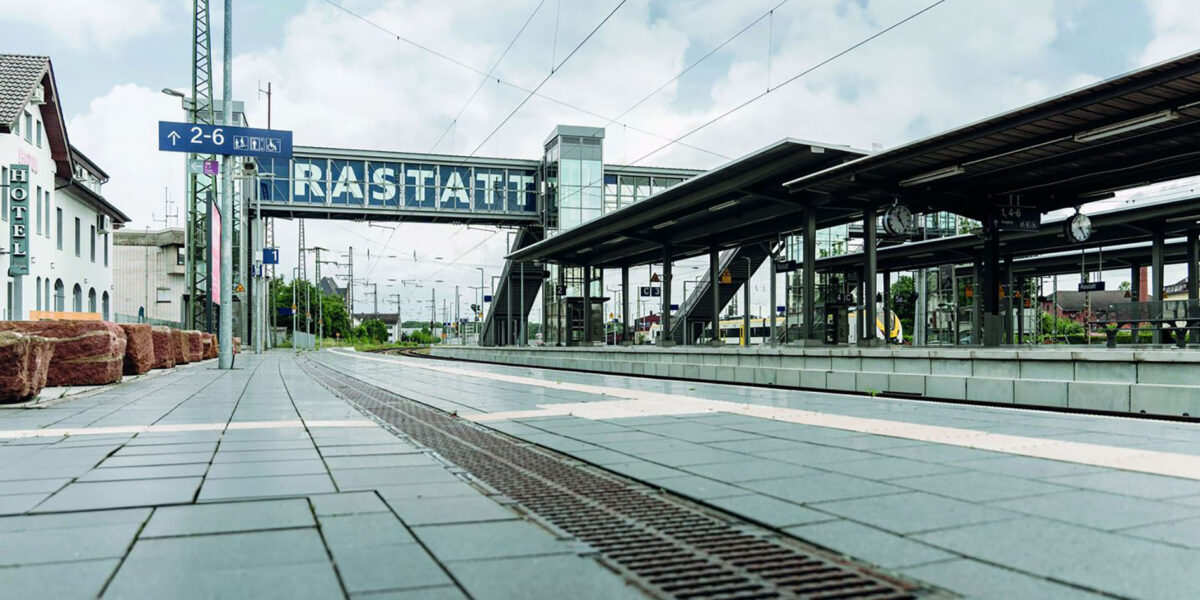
[[83, 23], [1176, 30]]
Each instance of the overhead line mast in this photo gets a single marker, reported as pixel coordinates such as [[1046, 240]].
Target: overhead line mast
[[201, 188]]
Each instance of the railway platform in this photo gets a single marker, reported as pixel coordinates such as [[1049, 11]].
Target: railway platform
[[343, 474]]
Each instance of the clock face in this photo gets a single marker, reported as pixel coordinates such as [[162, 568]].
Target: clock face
[[1079, 228], [898, 220]]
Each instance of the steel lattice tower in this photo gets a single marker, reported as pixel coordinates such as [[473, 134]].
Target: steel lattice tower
[[201, 189]]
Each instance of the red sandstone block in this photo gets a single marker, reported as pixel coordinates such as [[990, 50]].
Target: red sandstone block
[[179, 345], [195, 347], [139, 348], [210, 345], [85, 352], [24, 364], [164, 350]]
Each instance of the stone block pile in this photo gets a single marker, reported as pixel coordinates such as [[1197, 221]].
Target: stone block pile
[[38, 354]]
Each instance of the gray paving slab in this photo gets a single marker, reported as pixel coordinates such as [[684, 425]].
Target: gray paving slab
[[1077, 555], [442, 592], [348, 503], [32, 486], [229, 517], [1028, 467], [749, 470], [266, 469], [265, 487], [692, 456], [757, 444], [20, 503], [34, 546], [364, 530], [391, 567], [1099, 510], [1181, 533], [820, 488], [366, 449], [144, 460], [816, 454], [770, 511], [121, 494], [883, 468], [551, 576], [183, 447], [913, 512], [227, 456], [939, 453], [600, 456], [150, 472], [427, 490], [978, 487], [178, 580], [380, 460], [973, 579], [75, 519], [494, 539], [695, 486], [454, 509], [1128, 483], [869, 544], [363, 479], [61, 581], [640, 469]]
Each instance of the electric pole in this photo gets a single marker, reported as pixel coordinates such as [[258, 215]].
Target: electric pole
[[225, 339]]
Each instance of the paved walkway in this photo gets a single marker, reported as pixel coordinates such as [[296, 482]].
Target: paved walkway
[[998, 523], [255, 483]]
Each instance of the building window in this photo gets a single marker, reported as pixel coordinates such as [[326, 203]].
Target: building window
[[180, 256], [60, 296], [163, 295], [104, 305], [39, 210], [105, 242], [92, 300], [46, 295], [38, 290], [78, 245], [4, 194], [77, 298], [28, 127], [8, 307], [39, 134], [92, 241], [58, 214]]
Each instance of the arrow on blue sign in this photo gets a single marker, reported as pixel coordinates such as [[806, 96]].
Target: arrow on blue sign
[[199, 138]]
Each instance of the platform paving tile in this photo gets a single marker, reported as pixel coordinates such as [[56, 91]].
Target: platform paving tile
[[368, 449], [561, 576], [267, 469], [1099, 510], [121, 494], [640, 469], [20, 503], [380, 460], [178, 579], [61, 581], [236, 456], [61, 544], [148, 472], [230, 517], [441, 489], [753, 468], [1127, 483], [364, 479], [32, 486], [909, 513], [883, 468], [974, 486], [347, 503], [695, 486], [454, 509], [692, 456], [441, 592], [493, 539], [821, 487], [146, 460], [1028, 467], [264, 487], [870, 544], [757, 444], [815, 454], [978, 580], [1116, 564], [1181, 533], [772, 512]]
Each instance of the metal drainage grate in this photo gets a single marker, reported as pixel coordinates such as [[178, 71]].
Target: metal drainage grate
[[670, 548]]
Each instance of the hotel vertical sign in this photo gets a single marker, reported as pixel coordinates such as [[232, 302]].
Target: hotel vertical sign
[[18, 196]]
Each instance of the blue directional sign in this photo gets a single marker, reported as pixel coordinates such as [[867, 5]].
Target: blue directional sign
[[487, 297], [270, 256], [199, 138]]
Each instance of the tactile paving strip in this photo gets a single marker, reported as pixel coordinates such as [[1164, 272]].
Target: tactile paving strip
[[670, 548]]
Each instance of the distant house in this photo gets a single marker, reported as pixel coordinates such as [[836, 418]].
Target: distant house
[[1176, 291], [330, 287], [1085, 306]]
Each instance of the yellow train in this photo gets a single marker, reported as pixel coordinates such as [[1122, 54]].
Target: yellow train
[[733, 331]]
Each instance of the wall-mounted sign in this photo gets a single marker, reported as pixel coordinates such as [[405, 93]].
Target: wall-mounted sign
[[1092, 286], [1015, 218], [18, 228], [270, 256], [487, 297], [649, 291], [560, 290]]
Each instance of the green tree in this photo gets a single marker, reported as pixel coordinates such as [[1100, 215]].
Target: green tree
[[905, 289], [374, 330], [1125, 286], [336, 319]]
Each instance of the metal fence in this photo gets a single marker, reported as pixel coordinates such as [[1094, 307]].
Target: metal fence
[[1174, 313], [121, 318]]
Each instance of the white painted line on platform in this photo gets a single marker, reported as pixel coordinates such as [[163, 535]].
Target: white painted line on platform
[[636, 403], [135, 429]]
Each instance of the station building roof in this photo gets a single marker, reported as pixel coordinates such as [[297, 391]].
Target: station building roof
[[738, 203], [1128, 131]]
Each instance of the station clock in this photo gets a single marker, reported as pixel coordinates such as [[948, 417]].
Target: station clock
[[1078, 228], [898, 220]]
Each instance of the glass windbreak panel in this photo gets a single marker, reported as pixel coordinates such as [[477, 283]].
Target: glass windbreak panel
[[346, 182], [592, 173], [308, 180], [570, 173], [384, 184], [641, 188], [420, 188]]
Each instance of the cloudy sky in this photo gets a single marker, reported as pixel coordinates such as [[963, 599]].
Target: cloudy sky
[[343, 80]]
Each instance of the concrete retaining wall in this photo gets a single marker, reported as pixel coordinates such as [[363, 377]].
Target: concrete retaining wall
[[1152, 381]]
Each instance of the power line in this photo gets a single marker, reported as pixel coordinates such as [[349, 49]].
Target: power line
[[488, 76], [502, 81], [550, 74], [791, 79]]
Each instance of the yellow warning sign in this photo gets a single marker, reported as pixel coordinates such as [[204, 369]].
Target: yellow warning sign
[[726, 276], [654, 278], [239, 288]]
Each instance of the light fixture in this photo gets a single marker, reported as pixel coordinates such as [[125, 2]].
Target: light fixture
[[171, 92], [925, 255], [722, 206], [1133, 124], [616, 240], [583, 250], [664, 224], [932, 176], [1184, 219]]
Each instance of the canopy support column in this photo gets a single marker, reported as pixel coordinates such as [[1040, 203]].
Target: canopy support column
[[714, 278], [587, 305], [1157, 252], [1193, 265], [665, 339], [625, 339], [808, 314], [772, 313], [870, 273], [1136, 285], [993, 324], [887, 310], [746, 304]]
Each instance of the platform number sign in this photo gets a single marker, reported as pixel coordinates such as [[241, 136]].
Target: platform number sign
[[1015, 218], [650, 291], [560, 290], [18, 197]]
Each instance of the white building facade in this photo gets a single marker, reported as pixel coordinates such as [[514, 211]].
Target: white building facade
[[57, 231], [149, 276]]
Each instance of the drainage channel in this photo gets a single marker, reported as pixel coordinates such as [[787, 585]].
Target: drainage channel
[[669, 547]]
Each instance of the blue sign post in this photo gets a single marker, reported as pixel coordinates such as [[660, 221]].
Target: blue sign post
[[198, 138]]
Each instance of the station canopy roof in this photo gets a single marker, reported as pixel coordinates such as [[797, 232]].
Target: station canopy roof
[[1131, 224], [741, 202], [1094, 260], [1132, 130]]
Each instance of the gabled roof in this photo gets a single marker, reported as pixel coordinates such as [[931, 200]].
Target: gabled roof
[[1076, 301], [20, 75]]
